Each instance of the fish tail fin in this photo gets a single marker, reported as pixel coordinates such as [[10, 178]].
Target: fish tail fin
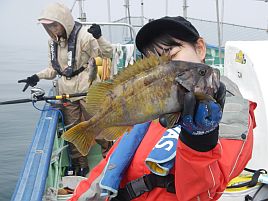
[[81, 136]]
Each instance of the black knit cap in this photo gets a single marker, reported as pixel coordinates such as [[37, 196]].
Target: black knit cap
[[177, 27]]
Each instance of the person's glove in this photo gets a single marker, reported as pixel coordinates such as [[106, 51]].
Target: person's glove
[[199, 118], [191, 115], [200, 123], [202, 117], [30, 81], [95, 30]]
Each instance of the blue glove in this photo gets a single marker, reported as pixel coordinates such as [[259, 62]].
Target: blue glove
[[200, 118], [197, 118], [203, 117]]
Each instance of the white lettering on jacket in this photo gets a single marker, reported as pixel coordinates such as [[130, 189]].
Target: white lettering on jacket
[[69, 58], [166, 140], [52, 51]]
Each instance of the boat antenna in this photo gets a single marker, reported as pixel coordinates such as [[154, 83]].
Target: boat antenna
[[185, 6], [109, 10], [221, 22], [142, 14], [82, 15], [127, 11], [73, 5], [166, 7], [109, 19], [128, 15], [219, 31]]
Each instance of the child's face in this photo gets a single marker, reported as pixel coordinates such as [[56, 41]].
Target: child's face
[[186, 52]]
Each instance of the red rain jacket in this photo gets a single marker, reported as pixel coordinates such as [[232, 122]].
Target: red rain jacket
[[198, 175]]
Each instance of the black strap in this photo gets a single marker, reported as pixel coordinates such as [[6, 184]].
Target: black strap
[[69, 71], [76, 72], [253, 181], [146, 183]]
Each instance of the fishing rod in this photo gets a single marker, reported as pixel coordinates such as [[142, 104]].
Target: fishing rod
[[38, 94]]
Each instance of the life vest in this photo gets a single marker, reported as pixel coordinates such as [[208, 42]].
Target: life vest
[[68, 72], [146, 183]]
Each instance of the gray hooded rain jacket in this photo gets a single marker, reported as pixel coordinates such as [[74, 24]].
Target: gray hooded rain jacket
[[86, 47]]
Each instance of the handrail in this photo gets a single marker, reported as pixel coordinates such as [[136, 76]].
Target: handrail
[[32, 180], [117, 24], [113, 23], [133, 32]]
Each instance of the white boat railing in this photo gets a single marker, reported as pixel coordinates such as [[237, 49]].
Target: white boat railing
[[132, 31]]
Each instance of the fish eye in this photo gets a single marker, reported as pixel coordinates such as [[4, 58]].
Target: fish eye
[[202, 72]]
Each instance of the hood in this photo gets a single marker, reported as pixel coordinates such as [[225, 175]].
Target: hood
[[61, 14]]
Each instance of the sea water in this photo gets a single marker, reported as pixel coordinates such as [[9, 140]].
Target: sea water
[[17, 121]]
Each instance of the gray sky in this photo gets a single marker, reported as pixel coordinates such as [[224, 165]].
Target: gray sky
[[19, 24]]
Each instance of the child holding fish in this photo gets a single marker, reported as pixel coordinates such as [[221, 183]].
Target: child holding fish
[[195, 148]]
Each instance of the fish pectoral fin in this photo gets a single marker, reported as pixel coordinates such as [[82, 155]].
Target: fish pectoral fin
[[171, 119], [113, 133], [81, 137], [202, 96]]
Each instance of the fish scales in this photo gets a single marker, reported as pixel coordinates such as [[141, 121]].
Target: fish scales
[[148, 88], [137, 96]]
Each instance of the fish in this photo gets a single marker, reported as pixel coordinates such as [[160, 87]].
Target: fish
[[142, 92], [93, 70]]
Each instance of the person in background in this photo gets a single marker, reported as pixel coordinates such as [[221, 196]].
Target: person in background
[[70, 48]]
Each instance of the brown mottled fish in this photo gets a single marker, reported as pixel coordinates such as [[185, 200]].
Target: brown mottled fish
[[93, 70], [142, 92]]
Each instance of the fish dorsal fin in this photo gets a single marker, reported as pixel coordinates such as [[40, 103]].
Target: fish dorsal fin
[[140, 66], [96, 95], [113, 133]]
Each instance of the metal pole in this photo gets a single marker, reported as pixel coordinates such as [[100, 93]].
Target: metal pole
[[221, 22], [128, 12], [109, 10], [219, 31], [166, 7], [73, 5], [185, 9], [142, 14], [80, 9], [125, 5], [109, 19], [128, 15], [82, 15]]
